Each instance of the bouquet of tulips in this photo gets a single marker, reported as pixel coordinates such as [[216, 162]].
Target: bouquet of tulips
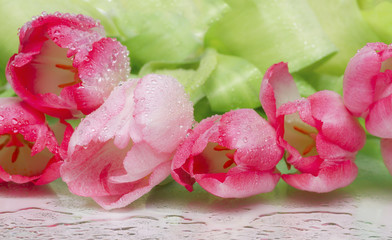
[[210, 98]]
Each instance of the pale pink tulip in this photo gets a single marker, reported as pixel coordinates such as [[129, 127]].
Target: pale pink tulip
[[231, 156], [319, 135], [65, 67], [123, 149]]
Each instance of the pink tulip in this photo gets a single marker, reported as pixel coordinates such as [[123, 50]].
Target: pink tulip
[[28, 148], [65, 66], [368, 92], [123, 149], [367, 88], [231, 156], [320, 136]]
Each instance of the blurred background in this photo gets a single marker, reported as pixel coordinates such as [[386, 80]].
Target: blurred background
[[220, 49]]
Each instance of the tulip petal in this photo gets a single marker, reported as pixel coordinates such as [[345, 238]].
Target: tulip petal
[[108, 60], [333, 175], [277, 88], [141, 159], [89, 167], [239, 184], [379, 120], [328, 108], [137, 189], [156, 122], [255, 141]]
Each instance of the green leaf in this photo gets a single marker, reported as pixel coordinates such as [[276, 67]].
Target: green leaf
[[345, 26], [304, 87], [7, 91], [321, 82], [161, 30], [378, 15], [191, 74], [234, 83], [266, 32], [202, 110]]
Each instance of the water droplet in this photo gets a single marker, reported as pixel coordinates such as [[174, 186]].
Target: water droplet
[[245, 139], [1, 117], [14, 121]]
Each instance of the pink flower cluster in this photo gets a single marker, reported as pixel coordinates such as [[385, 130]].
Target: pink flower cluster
[[235, 155], [67, 68], [137, 132]]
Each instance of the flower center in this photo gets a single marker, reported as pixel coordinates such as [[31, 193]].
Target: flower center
[[229, 154], [21, 162], [53, 70], [76, 78], [300, 135], [214, 159], [17, 141]]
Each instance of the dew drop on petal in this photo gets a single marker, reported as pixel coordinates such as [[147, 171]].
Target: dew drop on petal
[[86, 122]]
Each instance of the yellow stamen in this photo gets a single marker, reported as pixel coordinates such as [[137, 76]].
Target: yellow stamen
[[73, 70], [312, 135]]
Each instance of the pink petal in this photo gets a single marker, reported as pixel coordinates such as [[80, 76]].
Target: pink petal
[[339, 127], [386, 151], [88, 169], [32, 32], [240, 184], [141, 159], [162, 127], [252, 136], [137, 190], [358, 87], [277, 88], [379, 120], [333, 175], [111, 120], [105, 66]]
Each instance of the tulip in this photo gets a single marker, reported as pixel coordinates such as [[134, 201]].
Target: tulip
[[368, 92], [230, 156], [29, 151], [320, 136], [65, 66], [122, 150]]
